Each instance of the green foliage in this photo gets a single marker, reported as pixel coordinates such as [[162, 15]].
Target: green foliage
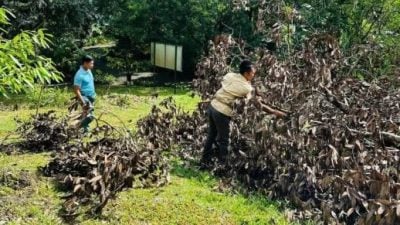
[[104, 78], [21, 67], [134, 24], [70, 22], [367, 30], [127, 63]]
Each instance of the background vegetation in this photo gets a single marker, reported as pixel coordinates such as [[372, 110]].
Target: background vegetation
[[131, 25]]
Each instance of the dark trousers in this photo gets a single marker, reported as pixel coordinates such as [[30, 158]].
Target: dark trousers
[[218, 132]]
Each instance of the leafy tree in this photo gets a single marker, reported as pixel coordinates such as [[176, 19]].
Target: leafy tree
[[20, 66]]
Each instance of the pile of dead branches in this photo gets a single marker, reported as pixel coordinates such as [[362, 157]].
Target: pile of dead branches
[[41, 132], [93, 172], [44, 132], [335, 158], [93, 169]]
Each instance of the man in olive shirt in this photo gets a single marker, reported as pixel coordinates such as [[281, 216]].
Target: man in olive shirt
[[220, 111]]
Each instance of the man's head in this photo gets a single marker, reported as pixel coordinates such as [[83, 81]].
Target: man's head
[[87, 62], [247, 70]]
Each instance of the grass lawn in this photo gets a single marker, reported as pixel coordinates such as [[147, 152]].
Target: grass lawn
[[189, 199]]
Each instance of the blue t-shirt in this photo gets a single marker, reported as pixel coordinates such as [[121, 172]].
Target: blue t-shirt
[[84, 80]]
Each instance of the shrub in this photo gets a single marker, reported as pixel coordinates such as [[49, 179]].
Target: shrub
[[104, 78]]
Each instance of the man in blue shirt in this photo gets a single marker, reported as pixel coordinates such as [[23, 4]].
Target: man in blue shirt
[[85, 91]]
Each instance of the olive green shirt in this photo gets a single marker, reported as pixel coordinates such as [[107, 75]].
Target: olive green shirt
[[234, 86]]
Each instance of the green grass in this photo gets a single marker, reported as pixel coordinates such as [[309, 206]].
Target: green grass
[[190, 198], [112, 113]]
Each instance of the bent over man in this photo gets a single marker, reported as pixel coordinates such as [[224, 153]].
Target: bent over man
[[85, 91], [234, 86]]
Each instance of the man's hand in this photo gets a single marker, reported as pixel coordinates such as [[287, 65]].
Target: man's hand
[[85, 107]]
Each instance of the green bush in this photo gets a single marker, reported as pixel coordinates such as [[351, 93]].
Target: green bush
[[104, 78]]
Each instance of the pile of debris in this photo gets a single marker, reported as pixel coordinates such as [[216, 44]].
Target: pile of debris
[[44, 132], [91, 170], [336, 157], [94, 172], [41, 132]]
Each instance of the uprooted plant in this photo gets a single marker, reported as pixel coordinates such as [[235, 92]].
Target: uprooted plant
[[41, 132], [337, 156]]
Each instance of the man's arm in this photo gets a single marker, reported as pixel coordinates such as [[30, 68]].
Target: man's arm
[[77, 91], [77, 88]]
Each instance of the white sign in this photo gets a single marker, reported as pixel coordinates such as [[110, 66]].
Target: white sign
[[166, 56]]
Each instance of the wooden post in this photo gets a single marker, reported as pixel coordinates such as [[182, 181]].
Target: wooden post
[[176, 55], [154, 65]]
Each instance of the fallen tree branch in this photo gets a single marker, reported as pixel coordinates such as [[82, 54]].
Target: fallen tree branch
[[387, 136]]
